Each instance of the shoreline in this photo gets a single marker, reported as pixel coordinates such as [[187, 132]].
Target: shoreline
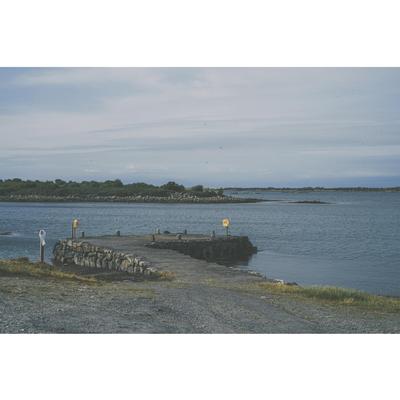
[[84, 272], [130, 199], [200, 298], [314, 190], [224, 200]]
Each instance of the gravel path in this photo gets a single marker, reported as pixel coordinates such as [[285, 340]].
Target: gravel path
[[203, 298]]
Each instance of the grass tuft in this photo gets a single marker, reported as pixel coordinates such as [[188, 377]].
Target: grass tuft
[[165, 275], [335, 295], [23, 267]]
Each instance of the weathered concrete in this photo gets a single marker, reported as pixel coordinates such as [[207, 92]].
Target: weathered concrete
[[184, 267]]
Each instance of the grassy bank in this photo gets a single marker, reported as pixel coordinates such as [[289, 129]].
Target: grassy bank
[[336, 296], [23, 267], [323, 294]]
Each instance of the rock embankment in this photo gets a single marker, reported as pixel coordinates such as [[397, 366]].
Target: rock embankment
[[173, 198], [221, 249], [84, 254]]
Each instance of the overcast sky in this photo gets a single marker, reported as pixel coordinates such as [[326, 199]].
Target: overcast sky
[[219, 127]]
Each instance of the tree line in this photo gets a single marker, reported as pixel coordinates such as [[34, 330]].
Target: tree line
[[115, 187]]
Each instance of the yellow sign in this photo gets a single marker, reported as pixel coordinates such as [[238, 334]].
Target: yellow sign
[[226, 222], [75, 223]]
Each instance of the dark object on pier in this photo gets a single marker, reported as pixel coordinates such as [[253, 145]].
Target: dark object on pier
[[82, 234], [167, 232], [118, 233]]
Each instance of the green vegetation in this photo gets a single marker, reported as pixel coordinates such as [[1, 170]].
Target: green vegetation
[[339, 296], [23, 267], [198, 188], [173, 187], [89, 189]]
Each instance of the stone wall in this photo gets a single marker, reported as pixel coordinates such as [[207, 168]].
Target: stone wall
[[88, 255], [221, 249]]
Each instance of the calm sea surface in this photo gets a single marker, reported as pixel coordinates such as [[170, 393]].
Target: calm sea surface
[[353, 242]]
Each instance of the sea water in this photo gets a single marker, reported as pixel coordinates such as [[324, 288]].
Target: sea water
[[353, 242]]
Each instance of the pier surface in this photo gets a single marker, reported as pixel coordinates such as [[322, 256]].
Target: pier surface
[[185, 267]]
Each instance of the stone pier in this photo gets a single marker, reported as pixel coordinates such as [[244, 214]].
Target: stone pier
[[142, 255], [86, 254], [222, 249]]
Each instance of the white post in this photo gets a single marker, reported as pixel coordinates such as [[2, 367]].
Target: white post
[[42, 241]]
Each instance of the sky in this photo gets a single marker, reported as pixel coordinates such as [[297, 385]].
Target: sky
[[214, 126]]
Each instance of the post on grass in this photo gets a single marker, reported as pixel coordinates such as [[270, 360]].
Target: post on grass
[[42, 241], [75, 224], [225, 224]]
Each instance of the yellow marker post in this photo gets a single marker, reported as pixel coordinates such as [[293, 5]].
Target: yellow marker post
[[75, 224], [225, 224]]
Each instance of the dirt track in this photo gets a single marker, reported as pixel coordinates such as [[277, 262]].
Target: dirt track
[[203, 298]]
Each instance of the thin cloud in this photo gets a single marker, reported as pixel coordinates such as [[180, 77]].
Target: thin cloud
[[213, 125]]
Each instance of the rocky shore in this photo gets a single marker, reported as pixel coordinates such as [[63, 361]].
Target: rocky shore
[[173, 198]]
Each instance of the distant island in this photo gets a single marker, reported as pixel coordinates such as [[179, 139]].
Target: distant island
[[313, 189], [19, 190]]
